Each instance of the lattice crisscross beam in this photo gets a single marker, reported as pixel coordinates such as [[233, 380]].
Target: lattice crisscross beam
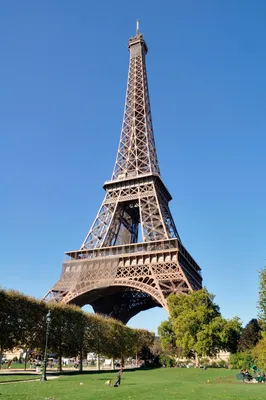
[[136, 153], [130, 208]]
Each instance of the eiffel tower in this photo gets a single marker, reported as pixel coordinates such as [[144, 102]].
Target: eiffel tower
[[132, 257]]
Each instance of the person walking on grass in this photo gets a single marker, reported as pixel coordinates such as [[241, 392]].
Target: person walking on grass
[[119, 375]]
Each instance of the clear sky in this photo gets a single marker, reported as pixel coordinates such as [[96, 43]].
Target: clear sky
[[63, 75]]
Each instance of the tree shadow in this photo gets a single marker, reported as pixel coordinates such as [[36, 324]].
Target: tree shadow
[[104, 372]]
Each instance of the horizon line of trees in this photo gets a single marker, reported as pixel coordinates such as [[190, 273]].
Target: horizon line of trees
[[73, 332], [196, 330]]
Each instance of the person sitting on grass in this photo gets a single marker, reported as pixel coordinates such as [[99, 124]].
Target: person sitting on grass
[[247, 375]]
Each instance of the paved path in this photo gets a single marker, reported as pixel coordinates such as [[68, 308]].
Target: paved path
[[17, 371], [28, 380]]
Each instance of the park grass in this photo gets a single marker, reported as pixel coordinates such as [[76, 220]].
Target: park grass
[[159, 384], [15, 365]]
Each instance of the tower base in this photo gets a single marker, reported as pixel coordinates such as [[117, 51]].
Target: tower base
[[121, 281]]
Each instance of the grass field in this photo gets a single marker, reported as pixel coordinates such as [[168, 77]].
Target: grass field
[[14, 365], [160, 384]]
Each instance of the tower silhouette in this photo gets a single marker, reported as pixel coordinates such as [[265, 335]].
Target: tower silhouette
[[132, 257]]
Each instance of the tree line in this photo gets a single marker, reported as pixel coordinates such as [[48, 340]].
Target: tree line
[[72, 331], [252, 344], [196, 330]]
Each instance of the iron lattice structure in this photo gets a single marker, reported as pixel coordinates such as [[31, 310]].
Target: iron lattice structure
[[132, 257]]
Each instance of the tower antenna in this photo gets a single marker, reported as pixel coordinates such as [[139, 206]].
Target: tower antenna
[[137, 29]]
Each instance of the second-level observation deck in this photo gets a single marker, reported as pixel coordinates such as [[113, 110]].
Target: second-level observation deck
[[154, 247]]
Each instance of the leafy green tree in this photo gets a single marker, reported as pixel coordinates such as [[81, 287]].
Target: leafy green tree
[[156, 347], [118, 341], [262, 297], [241, 360], [259, 353], [104, 336], [197, 325], [31, 324], [75, 334], [8, 320], [230, 334], [251, 334], [193, 320], [142, 338], [19, 321], [66, 333], [168, 337], [127, 344], [142, 343], [167, 361]]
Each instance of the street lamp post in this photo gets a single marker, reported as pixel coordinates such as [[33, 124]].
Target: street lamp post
[[48, 322]]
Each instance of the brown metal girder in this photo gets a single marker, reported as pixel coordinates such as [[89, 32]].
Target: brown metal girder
[[130, 283], [138, 180]]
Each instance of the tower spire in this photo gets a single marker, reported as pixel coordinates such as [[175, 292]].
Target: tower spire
[[136, 154]]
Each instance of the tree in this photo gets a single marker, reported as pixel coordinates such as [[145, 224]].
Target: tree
[[67, 332], [167, 361], [142, 338], [262, 296], [142, 342], [8, 322], [30, 324], [230, 334], [118, 342], [59, 331], [197, 325], [259, 353], [241, 360], [251, 334], [167, 337]]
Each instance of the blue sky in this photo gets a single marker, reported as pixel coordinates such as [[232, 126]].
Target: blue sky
[[63, 77]]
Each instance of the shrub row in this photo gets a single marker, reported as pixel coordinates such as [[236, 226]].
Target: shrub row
[[72, 331]]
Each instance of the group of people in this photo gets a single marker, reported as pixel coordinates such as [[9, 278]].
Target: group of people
[[257, 374]]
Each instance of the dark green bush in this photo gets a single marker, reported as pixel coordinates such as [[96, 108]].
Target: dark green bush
[[241, 360], [167, 361]]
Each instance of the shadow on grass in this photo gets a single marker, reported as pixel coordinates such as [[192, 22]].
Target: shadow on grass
[[73, 373], [23, 374], [19, 378]]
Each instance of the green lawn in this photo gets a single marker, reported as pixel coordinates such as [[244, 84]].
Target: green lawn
[[14, 365], [160, 384]]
